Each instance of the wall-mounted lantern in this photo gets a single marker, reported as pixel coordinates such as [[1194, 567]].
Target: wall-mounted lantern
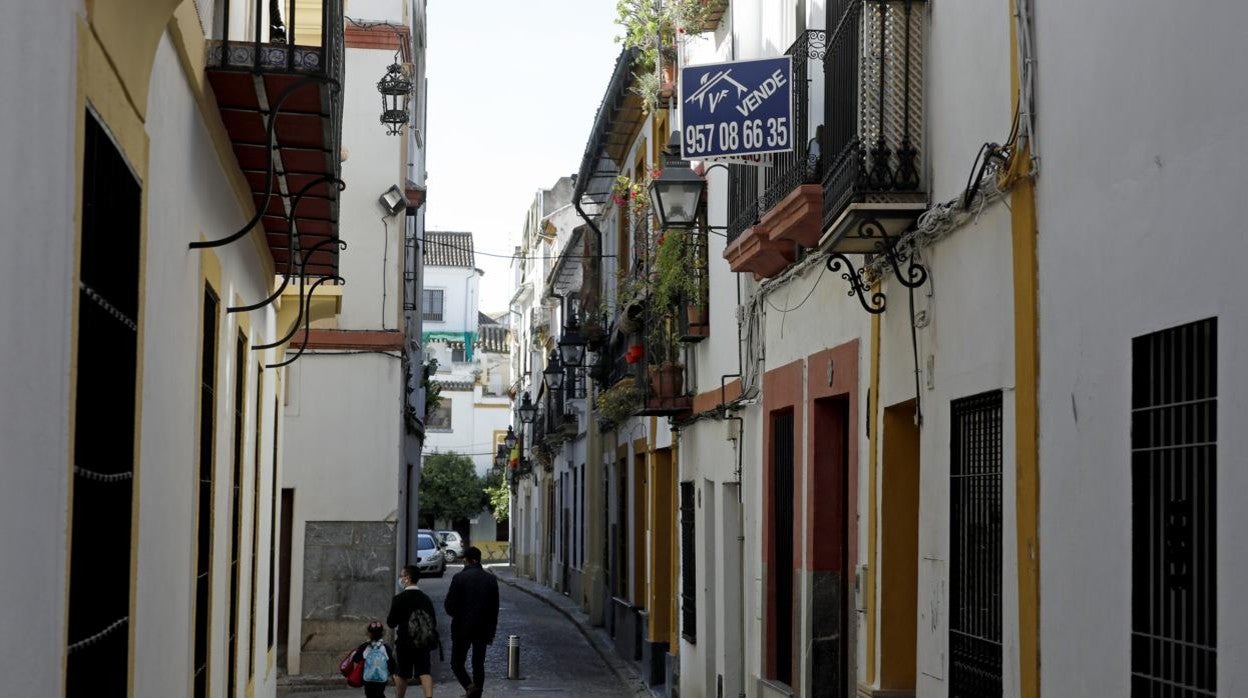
[[395, 88]]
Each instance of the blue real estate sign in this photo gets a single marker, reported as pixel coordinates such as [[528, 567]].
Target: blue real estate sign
[[738, 108]]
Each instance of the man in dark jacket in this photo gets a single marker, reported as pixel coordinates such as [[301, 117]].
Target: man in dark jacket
[[472, 604], [409, 610]]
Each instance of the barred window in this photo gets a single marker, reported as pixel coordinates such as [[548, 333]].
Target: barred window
[[1174, 511], [432, 303]]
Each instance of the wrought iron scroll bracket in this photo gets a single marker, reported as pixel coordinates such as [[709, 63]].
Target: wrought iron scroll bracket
[[294, 326], [268, 177], [915, 274], [857, 286], [290, 249], [307, 322]]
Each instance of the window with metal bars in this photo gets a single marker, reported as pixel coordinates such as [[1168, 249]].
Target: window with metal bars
[[975, 547], [255, 529], [203, 510], [1174, 512], [236, 511], [432, 304], [688, 566], [782, 543], [272, 608], [104, 416]]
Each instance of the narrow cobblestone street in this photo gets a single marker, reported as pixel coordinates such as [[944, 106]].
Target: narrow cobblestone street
[[556, 660]]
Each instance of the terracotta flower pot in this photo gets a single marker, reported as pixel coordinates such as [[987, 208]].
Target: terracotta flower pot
[[667, 381]]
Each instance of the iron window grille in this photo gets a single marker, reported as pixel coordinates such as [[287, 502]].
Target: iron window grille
[[975, 546], [743, 199], [432, 304], [1174, 512], [798, 166], [203, 513], [236, 511], [688, 566], [782, 543], [98, 648], [873, 104]]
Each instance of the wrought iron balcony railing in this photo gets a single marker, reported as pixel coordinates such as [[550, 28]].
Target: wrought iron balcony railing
[[743, 199], [800, 165], [276, 70], [872, 140]]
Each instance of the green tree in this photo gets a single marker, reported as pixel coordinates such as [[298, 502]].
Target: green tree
[[497, 494], [449, 487]]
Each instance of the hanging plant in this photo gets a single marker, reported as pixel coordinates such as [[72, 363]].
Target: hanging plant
[[652, 26], [619, 402]]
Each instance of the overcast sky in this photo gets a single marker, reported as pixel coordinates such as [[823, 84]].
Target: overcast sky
[[513, 89]]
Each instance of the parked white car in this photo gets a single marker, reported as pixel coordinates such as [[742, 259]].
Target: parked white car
[[431, 559], [453, 545]]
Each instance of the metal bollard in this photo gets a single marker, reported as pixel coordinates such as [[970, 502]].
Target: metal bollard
[[513, 656]]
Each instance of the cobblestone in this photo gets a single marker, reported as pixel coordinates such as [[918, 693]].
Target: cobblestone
[[559, 656]]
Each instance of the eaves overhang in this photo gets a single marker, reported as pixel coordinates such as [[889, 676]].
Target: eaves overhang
[[619, 115]]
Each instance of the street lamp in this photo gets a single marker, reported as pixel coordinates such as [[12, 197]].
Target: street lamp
[[554, 372], [572, 343], [395, 89], [510, 440], [675, 195], [527, 410]]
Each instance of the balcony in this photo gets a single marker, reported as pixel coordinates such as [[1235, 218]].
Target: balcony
[[768, 225], [873, 183], [278, 86]]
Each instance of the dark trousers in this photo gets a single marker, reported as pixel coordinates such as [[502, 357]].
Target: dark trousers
[[459, 653], [374, 689]]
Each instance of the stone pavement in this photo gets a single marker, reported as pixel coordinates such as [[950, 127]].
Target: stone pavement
[[561, 655]]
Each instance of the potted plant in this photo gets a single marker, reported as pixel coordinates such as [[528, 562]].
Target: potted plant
[[680, 279], [666, 370], [653, 26], [618, 403], [630, 291]]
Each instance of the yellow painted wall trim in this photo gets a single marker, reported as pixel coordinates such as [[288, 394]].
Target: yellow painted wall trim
[[129, 30], [1026, 412], [873, 507], [101, 89]]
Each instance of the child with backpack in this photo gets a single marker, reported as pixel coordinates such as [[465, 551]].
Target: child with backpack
[[415, 633], [378, 659]]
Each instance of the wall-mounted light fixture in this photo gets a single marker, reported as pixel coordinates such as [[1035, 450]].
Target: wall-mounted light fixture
[[554, 371], [395, 88], [527, 410], [676, 194], [392, 201], [572, 343]]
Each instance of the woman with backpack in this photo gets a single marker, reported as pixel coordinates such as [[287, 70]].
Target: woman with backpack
[[415, 633]]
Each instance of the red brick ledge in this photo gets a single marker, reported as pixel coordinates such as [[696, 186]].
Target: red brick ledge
[[374, 340], [390, 38]]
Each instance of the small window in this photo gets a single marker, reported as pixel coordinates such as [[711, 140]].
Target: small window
[[432, 304], [688, 564], [439, 418], [457, 353]]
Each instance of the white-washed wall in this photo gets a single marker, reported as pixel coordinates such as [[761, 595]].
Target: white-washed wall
[[1141, 211]]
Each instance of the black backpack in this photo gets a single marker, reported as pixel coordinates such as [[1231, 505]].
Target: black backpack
[[421, 629]]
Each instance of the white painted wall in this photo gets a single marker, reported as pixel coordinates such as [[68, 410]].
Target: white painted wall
[[1141, 213], [349, 476], [460, 297], [36, 275], [377, 10], [373, 261], [474, 420]]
